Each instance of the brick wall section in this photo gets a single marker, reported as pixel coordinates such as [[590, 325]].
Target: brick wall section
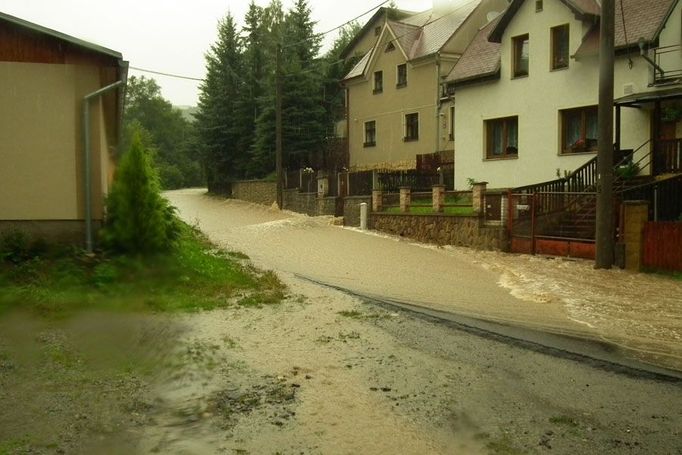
[[256, 191], [351, 209], [442, 230]]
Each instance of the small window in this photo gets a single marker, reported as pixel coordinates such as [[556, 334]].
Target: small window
[[502, 138], [411, 127], [402, 75], [378, 81], [559, 47], [390, 47], [538, 6], [579, 130], [521, 56], [370, 133], [451, 136]]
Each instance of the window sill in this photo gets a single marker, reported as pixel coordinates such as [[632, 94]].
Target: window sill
[[377, 91], [401, 85], [586, 152], [369, 144], [561, 68], [519, 76], [501, 158], [410, 139]]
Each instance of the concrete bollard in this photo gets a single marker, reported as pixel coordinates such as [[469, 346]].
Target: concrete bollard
[[363, 216]]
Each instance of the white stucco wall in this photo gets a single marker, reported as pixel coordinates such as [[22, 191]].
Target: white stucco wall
[[537, 100]]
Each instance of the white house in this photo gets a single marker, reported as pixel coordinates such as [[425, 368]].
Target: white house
[[526, 89]]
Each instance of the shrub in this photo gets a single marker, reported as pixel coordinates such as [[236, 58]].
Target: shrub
[[138, 220]]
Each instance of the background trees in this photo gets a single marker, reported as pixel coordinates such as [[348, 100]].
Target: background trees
[[236, 118], [163, 131]]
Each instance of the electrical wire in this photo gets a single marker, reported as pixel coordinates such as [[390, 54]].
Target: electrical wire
[[625, 32], [177, 76]]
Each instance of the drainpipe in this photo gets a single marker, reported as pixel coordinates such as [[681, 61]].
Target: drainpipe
[[87, 159]]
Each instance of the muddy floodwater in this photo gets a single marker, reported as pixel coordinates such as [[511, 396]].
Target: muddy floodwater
[[640, 313], [327, 372]]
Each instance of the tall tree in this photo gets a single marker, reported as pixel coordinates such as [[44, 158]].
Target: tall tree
[[217, 131]]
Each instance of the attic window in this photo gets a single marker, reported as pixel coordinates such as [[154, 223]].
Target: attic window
[[538, 6], [377, 31], [390, 47]]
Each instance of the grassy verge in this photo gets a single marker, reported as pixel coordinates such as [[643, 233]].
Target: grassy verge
[[195, 276]]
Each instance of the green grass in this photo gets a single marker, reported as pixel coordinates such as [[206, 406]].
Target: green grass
[[194, 276], [428, 210]]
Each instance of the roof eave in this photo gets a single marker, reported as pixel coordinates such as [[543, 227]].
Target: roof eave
[[59, 35], [483, 77]]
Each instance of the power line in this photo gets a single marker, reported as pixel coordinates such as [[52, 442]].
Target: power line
[[177, 76], [319, 35]]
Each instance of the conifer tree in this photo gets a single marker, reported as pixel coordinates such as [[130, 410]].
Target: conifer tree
[[218, 132]]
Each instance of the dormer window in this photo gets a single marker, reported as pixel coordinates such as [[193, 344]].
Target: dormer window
[[377, 31], [521, 57]]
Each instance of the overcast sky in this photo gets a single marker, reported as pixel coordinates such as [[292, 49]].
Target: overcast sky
[[168, 35]]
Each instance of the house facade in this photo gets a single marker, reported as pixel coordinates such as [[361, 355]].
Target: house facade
[[526, 88], [45, 76], [395, 107]]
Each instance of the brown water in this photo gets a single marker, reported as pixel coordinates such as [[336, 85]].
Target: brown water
[[640, 312]]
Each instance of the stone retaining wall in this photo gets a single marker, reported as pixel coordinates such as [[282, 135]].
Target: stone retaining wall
[[351, 209], [256, 191], [442, 230], [308, 203]]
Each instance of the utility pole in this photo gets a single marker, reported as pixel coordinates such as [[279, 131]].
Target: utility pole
[[278, 126], [605, 247]]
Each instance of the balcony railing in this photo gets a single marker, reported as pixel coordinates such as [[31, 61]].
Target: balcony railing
[[668, 64]]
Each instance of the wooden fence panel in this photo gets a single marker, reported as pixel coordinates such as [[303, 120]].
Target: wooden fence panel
[[662, 246]]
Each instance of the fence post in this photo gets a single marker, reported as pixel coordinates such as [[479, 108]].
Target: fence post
[[377, 200], [479, 197], [438, 197], [533, 212], [635, 216], [405, 199], [363, 216]]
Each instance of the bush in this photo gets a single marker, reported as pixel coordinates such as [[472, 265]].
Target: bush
[[17, 247], [138, 220]]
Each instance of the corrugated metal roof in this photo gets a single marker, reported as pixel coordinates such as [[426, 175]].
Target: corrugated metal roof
[[59, 35]]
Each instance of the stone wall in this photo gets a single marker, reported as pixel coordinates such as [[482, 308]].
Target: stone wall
[[256, 191], [442, 230], [351, 209]]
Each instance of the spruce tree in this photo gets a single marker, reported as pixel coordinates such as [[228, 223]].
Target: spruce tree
[[217, 130]]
